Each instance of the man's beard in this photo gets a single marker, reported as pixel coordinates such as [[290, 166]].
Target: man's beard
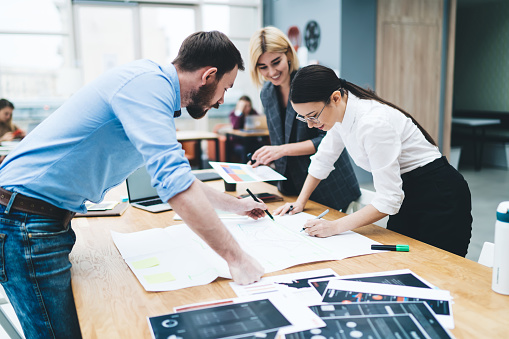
[[200, 99]]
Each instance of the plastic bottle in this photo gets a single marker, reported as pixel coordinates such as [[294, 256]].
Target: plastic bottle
[[500, 283]]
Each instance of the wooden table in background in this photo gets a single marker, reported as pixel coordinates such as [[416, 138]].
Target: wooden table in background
[[111, 303], [198, 136], [245, 137], [477, 138]]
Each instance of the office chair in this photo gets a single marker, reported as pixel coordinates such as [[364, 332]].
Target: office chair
[[487, 253]]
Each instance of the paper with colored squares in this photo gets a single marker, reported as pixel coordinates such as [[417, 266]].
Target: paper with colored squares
[[238, 173]]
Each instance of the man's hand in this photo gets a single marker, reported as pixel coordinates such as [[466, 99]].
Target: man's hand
[[246, 270], [251, 208], [197, 212]]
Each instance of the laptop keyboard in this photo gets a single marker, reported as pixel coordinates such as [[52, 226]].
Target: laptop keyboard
[[150, 202]]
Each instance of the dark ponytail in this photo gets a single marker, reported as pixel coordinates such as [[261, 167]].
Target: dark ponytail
[[316, 83]]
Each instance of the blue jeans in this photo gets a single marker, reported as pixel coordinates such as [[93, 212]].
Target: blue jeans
[[35, 272]]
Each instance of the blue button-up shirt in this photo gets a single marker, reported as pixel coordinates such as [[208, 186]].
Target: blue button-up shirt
[[99, 136]]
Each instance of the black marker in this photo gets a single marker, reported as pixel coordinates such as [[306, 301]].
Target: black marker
[[398, 248], [258, 200]]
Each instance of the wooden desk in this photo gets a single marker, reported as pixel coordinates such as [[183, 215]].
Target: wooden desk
[[111, 303], [199, 136], [245, 137]]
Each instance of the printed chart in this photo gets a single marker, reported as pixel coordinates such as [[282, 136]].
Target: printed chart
[[240, 173]]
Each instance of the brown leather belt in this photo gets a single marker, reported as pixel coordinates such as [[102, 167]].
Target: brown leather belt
[[36, 206]]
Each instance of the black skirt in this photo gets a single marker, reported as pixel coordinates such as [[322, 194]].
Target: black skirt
[[437, 207]]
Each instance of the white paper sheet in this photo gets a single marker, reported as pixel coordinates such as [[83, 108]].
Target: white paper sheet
[[293, 284], [240, 173], [181, 254]]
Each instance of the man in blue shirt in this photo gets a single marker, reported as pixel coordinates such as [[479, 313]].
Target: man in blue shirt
[[116, 124]]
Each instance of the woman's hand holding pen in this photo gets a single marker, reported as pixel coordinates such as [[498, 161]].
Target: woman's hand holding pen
[[322, 228], [290, 208], [266, 154]]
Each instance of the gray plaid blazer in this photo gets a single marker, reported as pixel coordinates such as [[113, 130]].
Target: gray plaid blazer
[[341, 186]]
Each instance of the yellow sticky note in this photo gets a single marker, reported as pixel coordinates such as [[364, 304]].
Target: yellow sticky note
[[159, 278], [145, 263]]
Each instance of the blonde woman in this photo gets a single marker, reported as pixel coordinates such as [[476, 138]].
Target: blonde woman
[[8, 131], [273, 63]]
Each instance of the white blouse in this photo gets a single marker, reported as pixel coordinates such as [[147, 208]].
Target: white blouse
[[381, 140]]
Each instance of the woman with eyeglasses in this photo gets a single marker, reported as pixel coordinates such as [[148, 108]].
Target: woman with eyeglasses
[[273, 63], [426, 198]]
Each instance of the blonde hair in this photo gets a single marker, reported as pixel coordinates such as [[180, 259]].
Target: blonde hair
[[269, 39]]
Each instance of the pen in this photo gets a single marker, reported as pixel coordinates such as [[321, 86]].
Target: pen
[[258, 200], [291, 209], [249, 155], [318, 217], [399, 248]]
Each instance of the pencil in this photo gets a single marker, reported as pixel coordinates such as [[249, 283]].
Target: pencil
[[258, 200]]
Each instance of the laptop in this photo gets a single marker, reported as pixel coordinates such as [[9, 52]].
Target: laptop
[[141, 193], [255, 123]]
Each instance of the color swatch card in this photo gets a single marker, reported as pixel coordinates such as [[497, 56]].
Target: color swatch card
[[239, 173]]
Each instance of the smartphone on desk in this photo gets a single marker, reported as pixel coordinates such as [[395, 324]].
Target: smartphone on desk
[[265, 197]]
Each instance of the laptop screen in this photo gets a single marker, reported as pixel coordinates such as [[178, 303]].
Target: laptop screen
[[139, 187], [255, 122]]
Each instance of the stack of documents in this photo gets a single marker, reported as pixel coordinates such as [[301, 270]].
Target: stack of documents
[[396, 304], [318, 304]]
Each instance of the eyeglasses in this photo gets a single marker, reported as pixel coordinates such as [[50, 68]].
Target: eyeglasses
[[314, 120]]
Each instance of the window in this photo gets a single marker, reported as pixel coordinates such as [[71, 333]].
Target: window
[[36, 63], [50, 48]]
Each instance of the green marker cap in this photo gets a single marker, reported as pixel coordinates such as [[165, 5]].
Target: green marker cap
[[402, 248]]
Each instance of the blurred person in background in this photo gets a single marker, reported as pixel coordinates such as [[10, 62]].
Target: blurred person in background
[[8, 130], [243, 108]]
